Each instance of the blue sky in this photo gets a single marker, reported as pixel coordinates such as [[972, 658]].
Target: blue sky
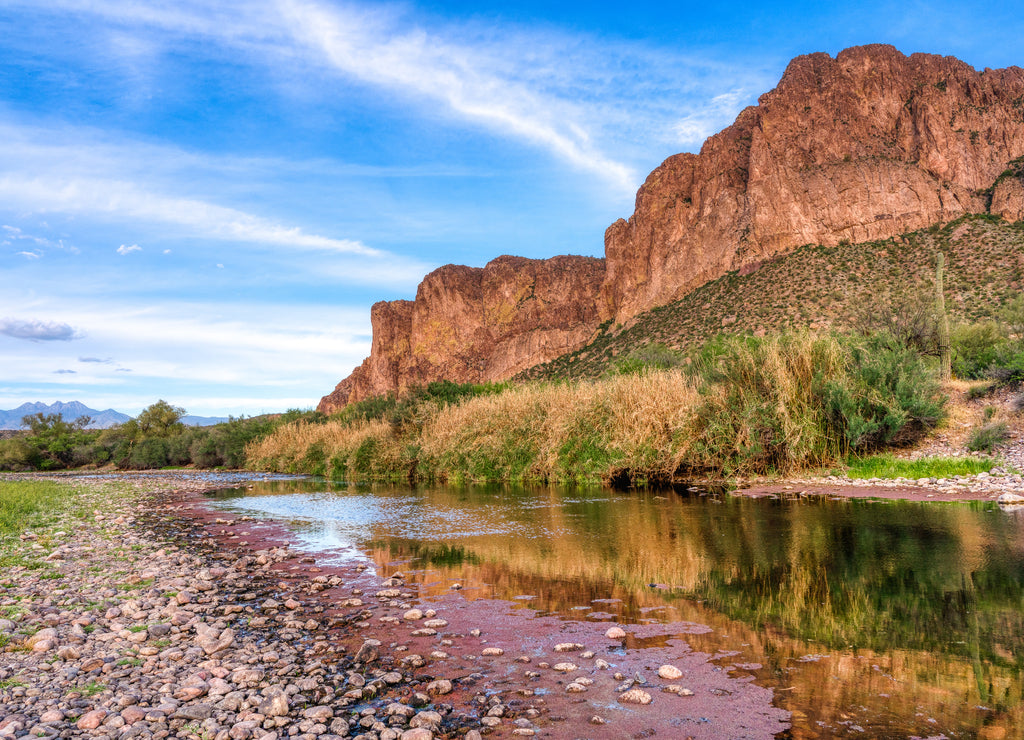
[[199, 201]]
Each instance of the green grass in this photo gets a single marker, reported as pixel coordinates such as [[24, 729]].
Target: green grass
[[92, 688], [10, 683], [28, 503], [887, 465]]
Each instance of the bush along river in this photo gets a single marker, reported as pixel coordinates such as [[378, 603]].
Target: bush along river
[[864, 618]]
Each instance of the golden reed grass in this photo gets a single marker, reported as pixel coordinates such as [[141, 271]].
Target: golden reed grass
[[745, 406]]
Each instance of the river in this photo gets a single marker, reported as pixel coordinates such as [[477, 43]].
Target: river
[[866, 618]]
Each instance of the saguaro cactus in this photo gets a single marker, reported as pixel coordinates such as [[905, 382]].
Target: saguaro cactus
[[945, 353]]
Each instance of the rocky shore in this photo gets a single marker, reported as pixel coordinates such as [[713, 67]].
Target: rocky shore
[[151, 617]]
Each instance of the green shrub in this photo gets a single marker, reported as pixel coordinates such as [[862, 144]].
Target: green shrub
[[976, 348], [149, 454], [654, 356], [987, 437]]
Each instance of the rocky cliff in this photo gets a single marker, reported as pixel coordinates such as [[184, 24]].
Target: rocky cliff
[[866, 145], [471, 324]]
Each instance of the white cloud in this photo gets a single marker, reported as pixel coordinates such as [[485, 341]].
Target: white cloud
[[123, 250], [30, 255], [715, 115]]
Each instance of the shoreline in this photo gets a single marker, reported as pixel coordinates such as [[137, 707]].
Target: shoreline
[[486, 667]]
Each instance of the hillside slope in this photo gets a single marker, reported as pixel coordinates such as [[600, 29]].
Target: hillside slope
[[820, 287]]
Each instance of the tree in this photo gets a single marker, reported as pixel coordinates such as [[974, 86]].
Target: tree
[[54, 439], [159, 420]]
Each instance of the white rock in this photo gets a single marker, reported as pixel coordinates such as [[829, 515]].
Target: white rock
[[670, 672], [615, 633]]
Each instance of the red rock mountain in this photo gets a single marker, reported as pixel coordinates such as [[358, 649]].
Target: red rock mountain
[[866, 145]]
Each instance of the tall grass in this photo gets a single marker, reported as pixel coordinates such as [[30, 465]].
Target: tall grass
[[741, 406]]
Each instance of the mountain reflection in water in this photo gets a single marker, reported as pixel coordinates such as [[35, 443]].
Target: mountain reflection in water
[[870, 619]]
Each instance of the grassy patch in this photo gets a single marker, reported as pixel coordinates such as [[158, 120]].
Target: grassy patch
[[887, 465], [25, 504]]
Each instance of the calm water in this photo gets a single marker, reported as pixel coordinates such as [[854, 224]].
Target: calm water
[[870, 619]]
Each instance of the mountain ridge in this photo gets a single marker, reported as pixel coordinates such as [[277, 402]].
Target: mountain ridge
[[867, 145], [10, 419]]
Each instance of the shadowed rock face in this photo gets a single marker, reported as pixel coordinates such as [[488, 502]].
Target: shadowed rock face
[[471, 324], [864, 146]]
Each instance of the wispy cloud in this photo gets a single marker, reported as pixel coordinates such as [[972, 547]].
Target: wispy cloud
[[124, 249], [577, 96], [30, 255], [38, 331], [694, 128], [65, 372], [466, 81], [98, 360], [129, 200]]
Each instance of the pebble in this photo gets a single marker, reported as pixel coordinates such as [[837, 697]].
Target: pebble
[[615, 633]]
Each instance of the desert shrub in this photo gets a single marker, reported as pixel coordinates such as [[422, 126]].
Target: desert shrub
[[1007, 368], [988, 436], [888, 395], [975, 348], [654, 356], [203, 451]]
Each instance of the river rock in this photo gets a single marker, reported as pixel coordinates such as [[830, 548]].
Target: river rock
[[369, 652], [440, 687], [670, 672], [635, 696], [615, 633], [91, 720]]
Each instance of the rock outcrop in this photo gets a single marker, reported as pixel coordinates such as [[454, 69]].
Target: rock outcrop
[[867, 145], [864, 146], [472, 324]]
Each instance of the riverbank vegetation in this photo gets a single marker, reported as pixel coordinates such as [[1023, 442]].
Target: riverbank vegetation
[[155, 439], [887, 465], [736, 406]]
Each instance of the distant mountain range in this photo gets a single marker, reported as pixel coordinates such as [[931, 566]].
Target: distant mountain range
[[76, 409]]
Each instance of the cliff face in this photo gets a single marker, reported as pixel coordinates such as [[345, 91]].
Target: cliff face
[[471, 324], [864, 146]]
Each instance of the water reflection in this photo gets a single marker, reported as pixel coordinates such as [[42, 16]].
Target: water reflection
[[891, 619]]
